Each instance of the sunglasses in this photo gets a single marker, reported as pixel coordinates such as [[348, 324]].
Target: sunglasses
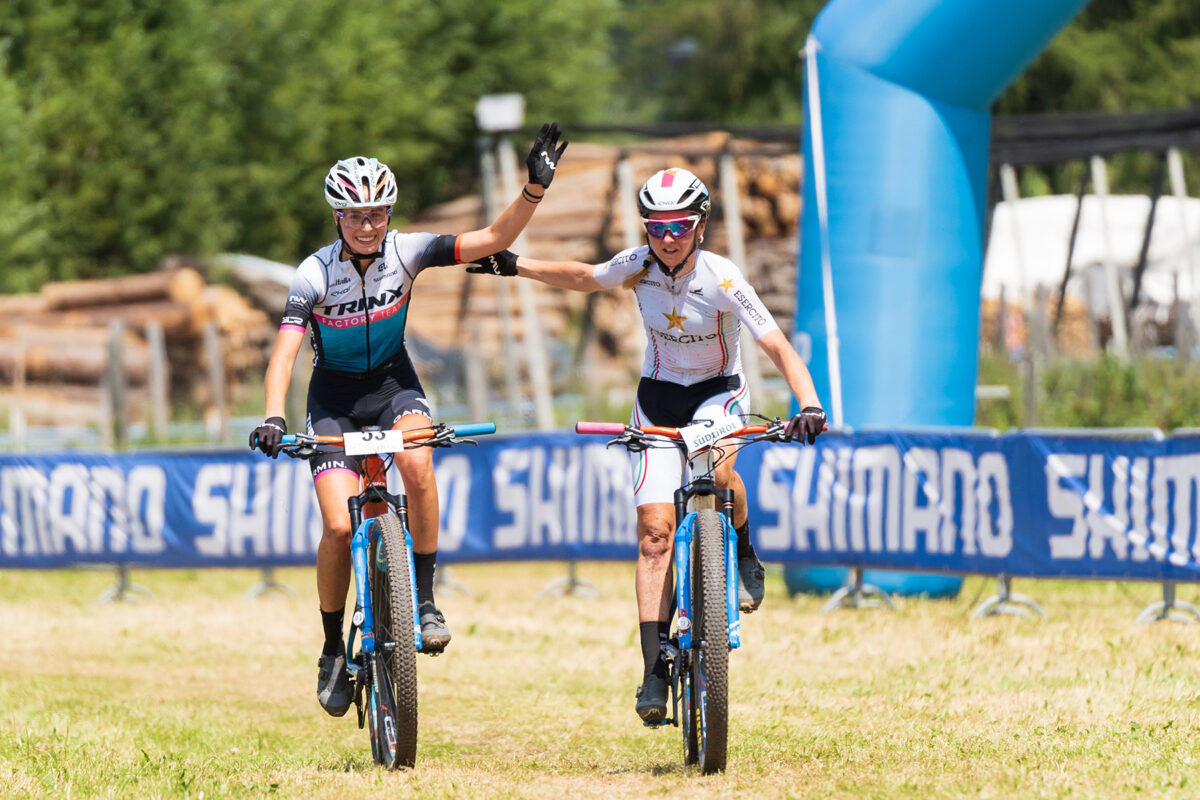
[[678, 228], [355, 219]]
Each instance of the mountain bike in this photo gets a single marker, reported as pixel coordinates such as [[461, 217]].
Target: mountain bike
[[706, 622], [385, 619]]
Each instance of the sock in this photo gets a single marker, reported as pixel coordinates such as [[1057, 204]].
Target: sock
[[664, 633], [423, 565], [651, 648], [744, 546], [331, 621]]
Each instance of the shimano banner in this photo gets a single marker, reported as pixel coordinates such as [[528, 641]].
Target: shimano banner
[[1021, 504]]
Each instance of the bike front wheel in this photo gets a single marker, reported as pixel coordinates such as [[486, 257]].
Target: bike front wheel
[[393, 691], [707, 704]]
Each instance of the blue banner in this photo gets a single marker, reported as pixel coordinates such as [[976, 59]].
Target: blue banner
[[1023, 504]]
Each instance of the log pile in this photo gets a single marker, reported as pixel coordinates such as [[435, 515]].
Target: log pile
[[583, 219], [55, 345]]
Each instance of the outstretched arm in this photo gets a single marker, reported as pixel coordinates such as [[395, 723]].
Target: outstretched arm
[[574, 275], [542, 163], [791, 366]]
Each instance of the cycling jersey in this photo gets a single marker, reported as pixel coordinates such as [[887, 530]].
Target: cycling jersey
[[358, 320], [693, 324]]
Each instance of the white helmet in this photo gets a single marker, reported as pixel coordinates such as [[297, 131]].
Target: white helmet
[[674, 189], [360, 183]]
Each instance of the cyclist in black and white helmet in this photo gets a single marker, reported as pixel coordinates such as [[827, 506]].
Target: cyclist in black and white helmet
[[693, 305], [353, 294]]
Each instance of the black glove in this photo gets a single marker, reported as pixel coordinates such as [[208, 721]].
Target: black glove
[[268, 437], [502, 263], [807, 425], [543, 158]]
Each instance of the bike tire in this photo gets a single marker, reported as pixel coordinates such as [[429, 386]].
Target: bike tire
[[709, 663], [394, 673]]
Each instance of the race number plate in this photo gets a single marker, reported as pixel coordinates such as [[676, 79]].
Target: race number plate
[[361, 443], [703, 434]]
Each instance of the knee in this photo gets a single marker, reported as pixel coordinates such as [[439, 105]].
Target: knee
[[417, 474], [337, 533], [654, 540]]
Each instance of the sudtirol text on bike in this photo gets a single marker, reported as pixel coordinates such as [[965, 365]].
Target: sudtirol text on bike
[[693, 304], [353, 295]]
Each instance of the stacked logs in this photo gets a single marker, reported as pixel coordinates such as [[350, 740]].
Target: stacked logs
[[55, 345]]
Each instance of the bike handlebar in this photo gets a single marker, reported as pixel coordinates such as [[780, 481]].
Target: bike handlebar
[[617, 429], [418, 435]]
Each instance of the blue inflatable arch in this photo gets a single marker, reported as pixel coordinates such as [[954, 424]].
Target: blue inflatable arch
[[896, 137]]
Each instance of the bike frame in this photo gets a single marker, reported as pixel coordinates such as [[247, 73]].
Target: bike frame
[[372, 500], [701, 493]]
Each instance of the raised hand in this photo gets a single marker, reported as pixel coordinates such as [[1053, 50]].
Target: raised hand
[[543, 158]]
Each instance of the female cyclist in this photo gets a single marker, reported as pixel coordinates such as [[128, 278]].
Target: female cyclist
[[693, 304], [354, 294]]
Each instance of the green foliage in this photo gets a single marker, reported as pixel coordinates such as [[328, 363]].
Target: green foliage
[[1116, 55], [132, 130], [716, 60], [1105, 393]]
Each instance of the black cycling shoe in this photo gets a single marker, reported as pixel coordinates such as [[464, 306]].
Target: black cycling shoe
[[333, 684], [434, 633], [750, 582], [652, 699]]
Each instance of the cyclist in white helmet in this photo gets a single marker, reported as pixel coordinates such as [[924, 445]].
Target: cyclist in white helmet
[[693, 304], [353, 295]]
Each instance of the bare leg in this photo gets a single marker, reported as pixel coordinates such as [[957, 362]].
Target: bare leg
[[334, 488], [656, 533], [416, 470]]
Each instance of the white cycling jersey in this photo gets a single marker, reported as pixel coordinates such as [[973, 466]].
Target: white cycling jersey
[[693, 324]]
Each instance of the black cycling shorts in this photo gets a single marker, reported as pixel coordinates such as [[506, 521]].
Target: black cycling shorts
[[673, 405], [347, 401]]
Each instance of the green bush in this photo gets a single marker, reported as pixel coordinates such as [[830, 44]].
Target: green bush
[[1105, 393]]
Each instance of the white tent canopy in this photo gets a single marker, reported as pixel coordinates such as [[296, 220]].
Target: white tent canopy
[[1028, 248]]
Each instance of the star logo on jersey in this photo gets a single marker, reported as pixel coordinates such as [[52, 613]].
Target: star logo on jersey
[[726, 284], [674, 319]]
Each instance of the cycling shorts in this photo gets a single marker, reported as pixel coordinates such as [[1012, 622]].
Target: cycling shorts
[[347, 401], [658, 471]]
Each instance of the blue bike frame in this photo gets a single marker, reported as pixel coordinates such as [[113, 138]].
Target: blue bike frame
[[683, 580], [364, 617]]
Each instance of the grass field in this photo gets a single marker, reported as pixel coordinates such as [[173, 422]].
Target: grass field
[[202, 693]]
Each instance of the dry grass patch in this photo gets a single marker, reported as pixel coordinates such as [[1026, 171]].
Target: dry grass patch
[[203, 692]]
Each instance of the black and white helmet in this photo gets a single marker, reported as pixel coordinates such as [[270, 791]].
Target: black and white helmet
[[360, 183], [674, 189]]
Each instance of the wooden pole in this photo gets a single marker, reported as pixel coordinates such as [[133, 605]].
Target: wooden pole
[[535, 347], [512, 389], [159, 380], [16, 420], [1116, 298], [218, 419], [116, 384], [1012, 196], [475, 368], [1187, 262], [732, 214]]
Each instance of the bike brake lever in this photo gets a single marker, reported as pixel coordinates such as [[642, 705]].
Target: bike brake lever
[[632, 442]]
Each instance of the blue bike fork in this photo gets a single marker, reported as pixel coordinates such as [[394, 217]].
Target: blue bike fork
[[683, 580], [364, 619]]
